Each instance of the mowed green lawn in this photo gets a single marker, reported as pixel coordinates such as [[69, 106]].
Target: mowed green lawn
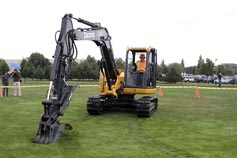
[[183, 127]]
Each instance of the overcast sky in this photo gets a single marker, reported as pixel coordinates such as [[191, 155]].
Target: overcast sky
[[179, 29]]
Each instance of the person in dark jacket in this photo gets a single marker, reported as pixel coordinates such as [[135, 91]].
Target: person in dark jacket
[[16, 82], [219, 79], [5, 83]]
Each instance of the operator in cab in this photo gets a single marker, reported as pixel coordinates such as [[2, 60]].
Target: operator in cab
[[141, 64], [141, 67]]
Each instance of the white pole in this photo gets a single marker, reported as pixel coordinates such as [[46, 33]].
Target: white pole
[[49, 90]]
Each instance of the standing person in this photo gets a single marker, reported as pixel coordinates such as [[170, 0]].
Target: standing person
[[17, 82], [5, 83], [219, 79]]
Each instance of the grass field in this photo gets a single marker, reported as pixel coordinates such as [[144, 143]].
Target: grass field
[[183, 127]]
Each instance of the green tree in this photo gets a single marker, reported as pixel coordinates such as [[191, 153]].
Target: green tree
[[205, 67], [119, 63], [191, 70], [3, 66], [88, 68], [209, 67], [229, 71], [74, 70], [200, 64], [174, 72], [163, 71], [37, 62], [225, 70], [25, 68], [159, 75], [182, 62], [221, 69], [48, 70], [39, 73]]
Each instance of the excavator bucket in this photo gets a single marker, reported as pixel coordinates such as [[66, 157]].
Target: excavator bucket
[[50, 129], [49, 134]]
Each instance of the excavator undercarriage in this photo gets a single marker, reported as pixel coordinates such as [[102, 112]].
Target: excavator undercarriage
[[144, 106]]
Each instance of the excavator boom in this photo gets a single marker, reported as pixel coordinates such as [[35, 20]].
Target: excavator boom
[[59, 92]]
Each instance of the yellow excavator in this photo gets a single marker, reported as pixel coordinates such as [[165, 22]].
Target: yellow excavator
[[117, 87]]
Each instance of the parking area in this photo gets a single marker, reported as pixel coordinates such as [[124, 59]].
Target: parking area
[[210, 79]]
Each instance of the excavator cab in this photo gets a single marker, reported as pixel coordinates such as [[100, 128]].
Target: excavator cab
[[134, 78]]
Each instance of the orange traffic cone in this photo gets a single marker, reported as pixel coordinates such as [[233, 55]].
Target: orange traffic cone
[[160, 92], [1, 92], [197, 93]]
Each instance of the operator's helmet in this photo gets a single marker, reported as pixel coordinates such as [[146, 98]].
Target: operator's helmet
[[142, 55]]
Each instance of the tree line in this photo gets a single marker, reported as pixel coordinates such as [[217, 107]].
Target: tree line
[[38, 67]]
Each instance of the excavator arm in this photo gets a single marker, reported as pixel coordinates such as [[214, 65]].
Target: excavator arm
[[59, 92], [102, 39]]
